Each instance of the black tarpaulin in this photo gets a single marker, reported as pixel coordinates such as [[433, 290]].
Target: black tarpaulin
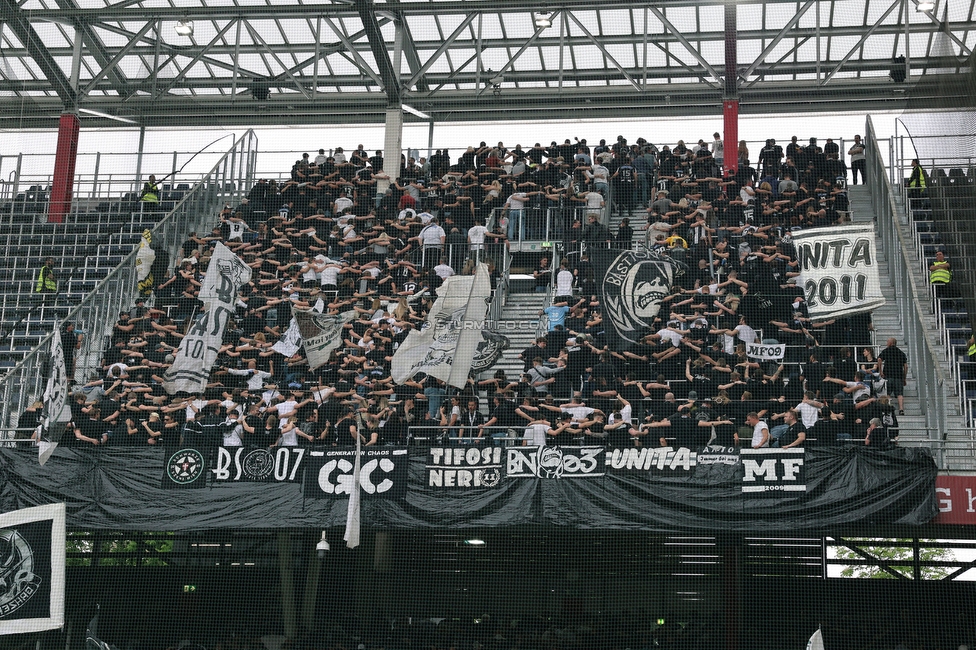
[[585, 488]]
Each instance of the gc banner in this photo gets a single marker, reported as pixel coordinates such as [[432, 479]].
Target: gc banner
[[32, 569], [328, 474], [838, 271]]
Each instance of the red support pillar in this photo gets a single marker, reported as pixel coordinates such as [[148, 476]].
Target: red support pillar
[[64, 167], [730, 105], [730, 112]]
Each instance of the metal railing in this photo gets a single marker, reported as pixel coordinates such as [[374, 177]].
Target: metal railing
[[922, 357], [95, 315]]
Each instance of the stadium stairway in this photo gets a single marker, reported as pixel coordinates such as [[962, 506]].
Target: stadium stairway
[[518, 322], [887, 323]]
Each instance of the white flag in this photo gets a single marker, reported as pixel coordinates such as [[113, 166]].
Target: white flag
[[56, 410], [198, 349], [816, 641], [321, 334], [838, 271], [445, 346], [145, 257], [354, 510], [290, 342], [470, 336], [32, 569]]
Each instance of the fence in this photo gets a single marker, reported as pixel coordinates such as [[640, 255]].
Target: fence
[[96, 313], [922, 357]]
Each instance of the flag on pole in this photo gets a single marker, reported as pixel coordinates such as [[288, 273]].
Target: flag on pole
[[226, 273], [354, 511], [445, 346], [56, 410], [32, 569], [816, 641]]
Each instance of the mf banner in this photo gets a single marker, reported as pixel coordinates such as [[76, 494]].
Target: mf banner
[[32, 569], [587, 487], [838, 270]]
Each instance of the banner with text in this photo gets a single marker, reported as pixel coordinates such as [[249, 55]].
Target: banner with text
[[32, 560], [588, 487], [838, 270]]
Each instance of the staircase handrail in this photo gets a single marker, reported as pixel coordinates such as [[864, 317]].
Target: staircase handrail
[[922, 356]]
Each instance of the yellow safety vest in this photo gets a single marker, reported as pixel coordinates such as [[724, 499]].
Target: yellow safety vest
[[941, 275], [150, 193]]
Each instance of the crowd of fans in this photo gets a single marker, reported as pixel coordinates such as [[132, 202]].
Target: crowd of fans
[[343, 235]]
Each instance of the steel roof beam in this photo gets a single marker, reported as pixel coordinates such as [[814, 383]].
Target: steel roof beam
[[17, 20], [440, 51], [776, 40], [684, 41], [860, 42], [115, 60], [353, 52], [390, 77], [603, 49]]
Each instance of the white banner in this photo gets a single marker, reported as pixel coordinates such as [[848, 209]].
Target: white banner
[[145, 257], [765, 351], [32, 569], [445, 346], [321, 334], [838, 271], [198, 349], [56, 410], [290, 342]]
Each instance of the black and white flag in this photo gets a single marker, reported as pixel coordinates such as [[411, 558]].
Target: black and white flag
[[198, 349], [57, 413], [632, 285], [320, 334], [838, 271], [489, 351], [445, 346], [32, 569]]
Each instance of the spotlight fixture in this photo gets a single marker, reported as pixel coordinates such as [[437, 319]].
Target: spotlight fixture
[[475, 542], [413, 111], [322, 547], [925, 5], [543, 20], [184, 27]]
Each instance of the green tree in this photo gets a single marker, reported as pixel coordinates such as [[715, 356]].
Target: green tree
[[883, 558]]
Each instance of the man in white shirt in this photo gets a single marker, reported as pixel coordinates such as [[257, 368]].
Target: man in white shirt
[[431, 239], [760, 433], [341, 203], [516, 211], [476, 236], [443, 270]]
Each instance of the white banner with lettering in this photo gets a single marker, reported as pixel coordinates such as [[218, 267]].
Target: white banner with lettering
[[198, 349], [838, 270], [766, 351]]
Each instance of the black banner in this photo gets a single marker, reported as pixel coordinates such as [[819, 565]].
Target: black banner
[[278, 465], [659, 489], [632, 285], [186, 468], [32, 569], [382, 473]]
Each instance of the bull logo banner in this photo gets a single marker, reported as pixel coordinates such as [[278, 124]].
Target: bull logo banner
[[32, 569], [838, 271], [632, 285]]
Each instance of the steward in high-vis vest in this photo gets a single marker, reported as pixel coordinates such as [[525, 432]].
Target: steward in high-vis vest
[[46, 282], [918, 181], [150, 191], [940, 275]]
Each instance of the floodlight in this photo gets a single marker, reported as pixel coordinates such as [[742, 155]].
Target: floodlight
[[184, 27], [543, 20], [925, 5]]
